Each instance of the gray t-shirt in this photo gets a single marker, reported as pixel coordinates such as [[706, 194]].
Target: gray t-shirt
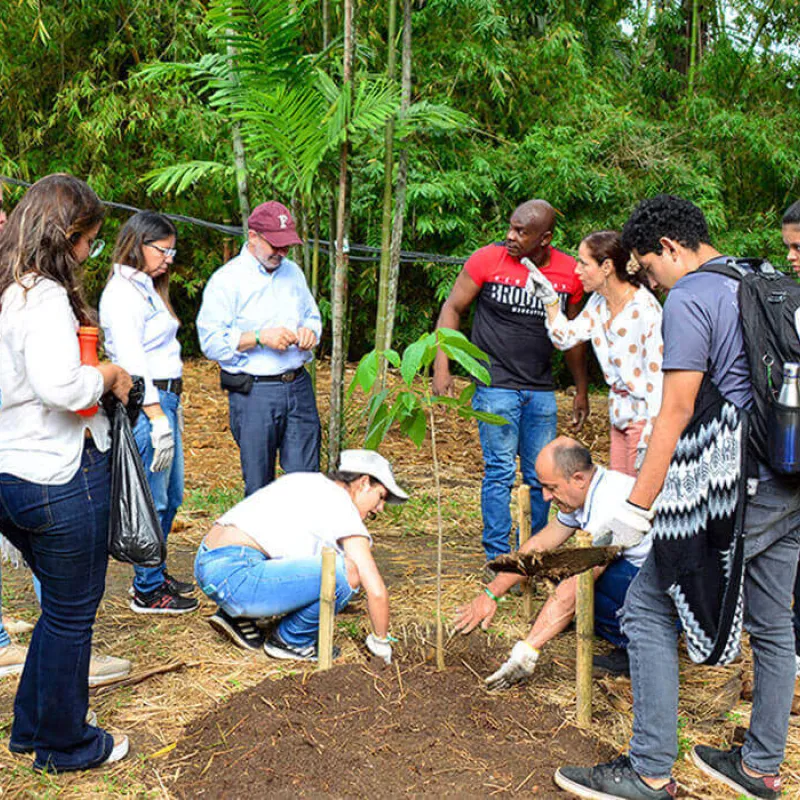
[[702, 333]]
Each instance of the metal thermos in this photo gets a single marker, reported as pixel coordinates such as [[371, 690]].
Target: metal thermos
[[784, 427]]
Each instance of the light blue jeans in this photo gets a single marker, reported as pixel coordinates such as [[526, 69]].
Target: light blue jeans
[[166, 486], [772, 543], [246, 583], [531, 425]]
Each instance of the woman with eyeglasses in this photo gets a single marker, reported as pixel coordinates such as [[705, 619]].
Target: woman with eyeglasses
[[141, 334], [55, 480]]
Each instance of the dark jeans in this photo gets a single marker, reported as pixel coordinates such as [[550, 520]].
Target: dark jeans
[[796, 614], [62, 532], [609, 596], [275, 418]]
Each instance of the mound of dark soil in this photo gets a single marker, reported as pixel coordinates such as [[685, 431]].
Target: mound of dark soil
[[358, 731]]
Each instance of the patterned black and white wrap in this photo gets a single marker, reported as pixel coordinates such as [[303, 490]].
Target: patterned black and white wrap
[[697, 530]]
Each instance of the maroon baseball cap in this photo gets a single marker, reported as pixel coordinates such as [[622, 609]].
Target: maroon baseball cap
[[274, 222]]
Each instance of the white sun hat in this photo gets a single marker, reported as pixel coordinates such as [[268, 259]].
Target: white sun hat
[[368, 462]]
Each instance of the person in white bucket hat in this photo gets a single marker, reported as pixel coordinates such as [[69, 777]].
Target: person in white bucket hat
[[263, 558]]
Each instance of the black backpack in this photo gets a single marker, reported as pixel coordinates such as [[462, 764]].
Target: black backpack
[[768, 301]]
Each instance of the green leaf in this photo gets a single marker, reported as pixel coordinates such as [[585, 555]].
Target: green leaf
[[392, 356], [414, 357], [366, 373], [483, 416], [415, 426], [473, 367], [466, 394], [457, 341]]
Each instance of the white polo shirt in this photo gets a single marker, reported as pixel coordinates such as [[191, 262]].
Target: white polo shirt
[[297, 515], [606, 491]]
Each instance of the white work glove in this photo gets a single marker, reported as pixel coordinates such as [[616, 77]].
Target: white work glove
[[519, 667], [626, 528], [181, 420], [163, 444], [538, 285], [380, 647]]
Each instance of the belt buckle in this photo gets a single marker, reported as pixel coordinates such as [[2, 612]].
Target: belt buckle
[[288, 377]]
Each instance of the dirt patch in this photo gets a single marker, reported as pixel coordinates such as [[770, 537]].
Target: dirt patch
[[376, 731]]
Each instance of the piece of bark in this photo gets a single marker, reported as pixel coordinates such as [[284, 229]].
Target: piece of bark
[[556, 565]]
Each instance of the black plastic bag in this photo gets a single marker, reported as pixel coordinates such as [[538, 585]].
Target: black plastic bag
[[134, 530]]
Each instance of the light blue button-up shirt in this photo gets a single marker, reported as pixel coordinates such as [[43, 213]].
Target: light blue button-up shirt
[[242, 296]]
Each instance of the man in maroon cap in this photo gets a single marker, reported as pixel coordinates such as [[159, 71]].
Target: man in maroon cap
[[259, 321]]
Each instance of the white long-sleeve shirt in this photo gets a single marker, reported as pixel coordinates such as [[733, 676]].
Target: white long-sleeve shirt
[[140, 333], [43, 384], [629, 349]]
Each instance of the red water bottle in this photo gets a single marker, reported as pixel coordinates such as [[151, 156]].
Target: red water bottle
[[87, 341]]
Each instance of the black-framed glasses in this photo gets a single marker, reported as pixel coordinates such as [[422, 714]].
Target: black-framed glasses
[[167, 252], [96, 247]]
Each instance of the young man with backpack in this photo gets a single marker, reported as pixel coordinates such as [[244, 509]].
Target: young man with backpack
[[695, 467]]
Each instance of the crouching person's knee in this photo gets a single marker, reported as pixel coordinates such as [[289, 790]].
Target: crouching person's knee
[[348, 581]]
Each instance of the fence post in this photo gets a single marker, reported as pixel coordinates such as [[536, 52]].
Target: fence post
[[327, 609], [524, 521], [584, 624]]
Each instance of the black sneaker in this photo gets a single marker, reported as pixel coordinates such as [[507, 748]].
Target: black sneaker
[[277, 648], [162, 601], [242, 630], [615, 663], [615, 780], [178, 587], [726, 766]]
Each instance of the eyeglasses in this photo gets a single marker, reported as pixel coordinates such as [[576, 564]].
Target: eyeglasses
[[168, 252], [96, 247]]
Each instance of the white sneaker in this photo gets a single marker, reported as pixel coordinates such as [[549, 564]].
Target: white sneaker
[[797, 663], [119, 751], [12, 659], [105, 669]]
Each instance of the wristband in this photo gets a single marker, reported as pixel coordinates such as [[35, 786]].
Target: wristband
[[258, 341], [490, 593], [552, 302]]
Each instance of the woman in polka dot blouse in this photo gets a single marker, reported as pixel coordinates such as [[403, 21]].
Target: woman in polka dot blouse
[[623, 321]]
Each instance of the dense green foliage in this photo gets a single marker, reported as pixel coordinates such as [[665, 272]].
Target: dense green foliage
[[591, 104]]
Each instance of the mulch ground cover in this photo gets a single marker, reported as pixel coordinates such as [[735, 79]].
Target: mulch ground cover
[[377, 731]]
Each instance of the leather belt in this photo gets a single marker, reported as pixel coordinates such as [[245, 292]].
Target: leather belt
[[174, 385], [284, 377]]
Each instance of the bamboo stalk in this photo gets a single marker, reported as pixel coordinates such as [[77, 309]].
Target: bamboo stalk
[[524, 520], [584, 622], [327, 609]]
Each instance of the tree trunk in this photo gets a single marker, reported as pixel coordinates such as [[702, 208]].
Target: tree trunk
[[340, 276], [239, 160], [386, 225], [400, 188], [694, 34]]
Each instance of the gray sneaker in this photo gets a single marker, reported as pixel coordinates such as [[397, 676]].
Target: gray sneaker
[[615, 780], [726, 766]]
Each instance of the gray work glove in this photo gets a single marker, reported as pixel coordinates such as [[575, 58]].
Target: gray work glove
[[163, 444], [380, 647], [626, 528], [519, 667], [538, 285]]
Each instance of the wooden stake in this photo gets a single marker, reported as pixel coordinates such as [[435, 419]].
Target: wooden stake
[[584, 624], [524, 519], [327, 609]]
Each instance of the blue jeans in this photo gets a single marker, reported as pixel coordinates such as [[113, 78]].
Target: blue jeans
[[772, 545], [609, 597], [62, 533], [275, 418], [246, 583], [166, 486], [531, 425]]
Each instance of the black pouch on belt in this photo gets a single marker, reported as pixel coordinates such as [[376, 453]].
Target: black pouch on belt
[[239, 382]]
